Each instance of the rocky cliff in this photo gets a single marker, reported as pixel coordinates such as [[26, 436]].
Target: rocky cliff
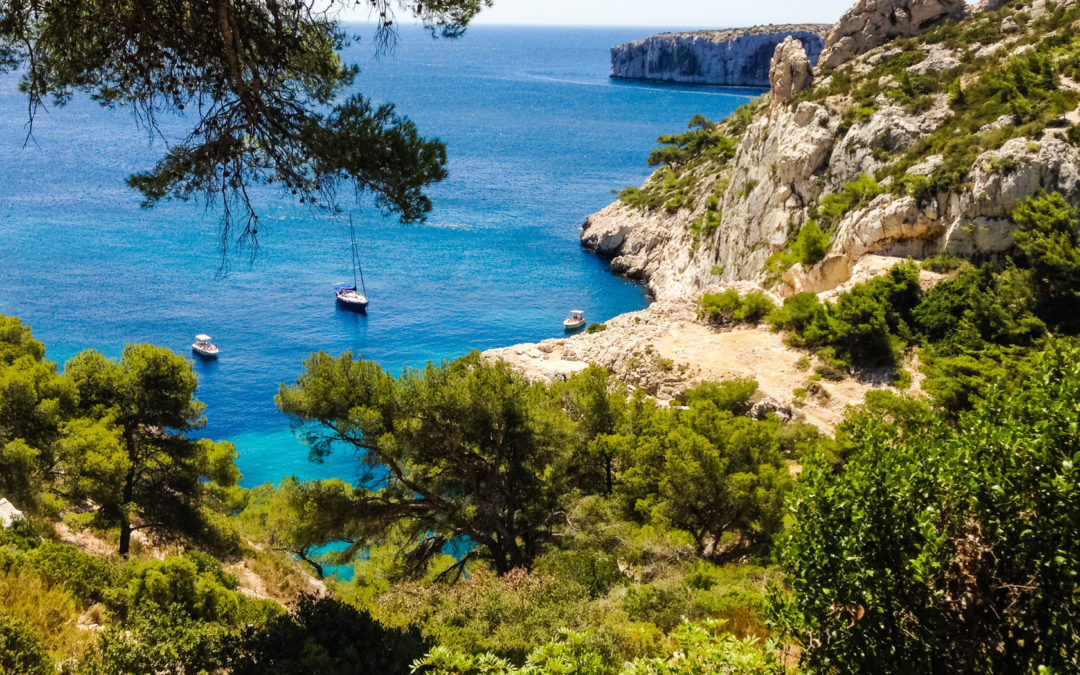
[[738, 57], [915, 140]]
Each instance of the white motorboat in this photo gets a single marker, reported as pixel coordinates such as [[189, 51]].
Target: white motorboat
[[204, 346], [575, 320]]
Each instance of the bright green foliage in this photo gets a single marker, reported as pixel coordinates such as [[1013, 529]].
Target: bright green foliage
[[43, 609], [755, 307], [711, 486], [596, 402], [21, 653], [596, 328], [34, 402], [863, 325], [951, 548], [300, 516], [258, 76], [721, 307], [665, 188], [706, 470], [832, 208], [466, 448], [809, 247], [705, 139], [700, 648], [157, 639], [196, 585], [728, 307], [1047, 234], [734, 396], [136, 460], [86, 576]]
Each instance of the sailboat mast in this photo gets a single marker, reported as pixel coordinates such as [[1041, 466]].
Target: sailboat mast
[[356, 258]]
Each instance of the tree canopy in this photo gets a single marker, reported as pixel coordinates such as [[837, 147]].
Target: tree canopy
[[133, 456], [457, 451], [260, 82], [945, 547]]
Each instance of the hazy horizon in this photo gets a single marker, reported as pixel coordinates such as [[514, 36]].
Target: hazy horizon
[[646, 13]]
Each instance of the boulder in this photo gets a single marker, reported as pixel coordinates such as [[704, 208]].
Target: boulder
[[790, 70], [872, 23], [8, 513]]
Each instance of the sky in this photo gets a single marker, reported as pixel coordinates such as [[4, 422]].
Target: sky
[[660, 13]]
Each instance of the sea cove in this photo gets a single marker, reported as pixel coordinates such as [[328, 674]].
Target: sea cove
[[537, 138]]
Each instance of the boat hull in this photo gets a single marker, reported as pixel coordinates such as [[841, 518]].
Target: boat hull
[[204, 353], [573, 325], [352, 305]]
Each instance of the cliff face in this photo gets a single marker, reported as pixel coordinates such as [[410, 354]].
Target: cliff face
[[935, 172], [738, 57]]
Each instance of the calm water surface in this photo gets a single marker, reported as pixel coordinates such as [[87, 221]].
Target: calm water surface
[[537, 138]]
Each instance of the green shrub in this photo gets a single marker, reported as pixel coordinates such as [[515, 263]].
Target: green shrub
[[812, 243], [943, 263], [831, 209], [596, 572], [21, 652], [1047, 234], [734, 396], [86, 576], [720, 307], [596, 328], [728, 306], [798, 312], [755, 306], [704, 140], [1073, 134]]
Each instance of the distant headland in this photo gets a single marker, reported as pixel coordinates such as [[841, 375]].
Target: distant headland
[[733, 57]]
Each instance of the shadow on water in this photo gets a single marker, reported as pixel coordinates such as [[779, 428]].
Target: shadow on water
[[204, 365]]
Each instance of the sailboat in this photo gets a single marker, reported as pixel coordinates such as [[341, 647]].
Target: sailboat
[[349, 297]]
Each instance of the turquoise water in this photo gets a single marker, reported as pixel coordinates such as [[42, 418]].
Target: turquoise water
[[537, 138]]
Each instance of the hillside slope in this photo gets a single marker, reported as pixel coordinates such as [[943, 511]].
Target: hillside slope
[[923, 138]]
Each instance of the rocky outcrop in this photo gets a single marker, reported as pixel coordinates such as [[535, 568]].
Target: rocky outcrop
[[666, 349], [791, 70], [977, 223], [738, 57], [871, 23], [778, 170]]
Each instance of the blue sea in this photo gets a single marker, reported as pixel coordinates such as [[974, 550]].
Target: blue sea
[[537, 135]]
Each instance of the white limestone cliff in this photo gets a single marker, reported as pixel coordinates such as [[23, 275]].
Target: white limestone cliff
[[737, 57]]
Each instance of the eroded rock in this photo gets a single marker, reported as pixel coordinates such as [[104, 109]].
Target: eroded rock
[[790, 70], [871, 23]]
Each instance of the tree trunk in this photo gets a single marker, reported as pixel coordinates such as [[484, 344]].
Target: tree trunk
[[125, 500]]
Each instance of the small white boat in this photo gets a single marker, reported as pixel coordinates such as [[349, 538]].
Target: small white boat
[[350, 298], [576, 319], [203, 346]]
